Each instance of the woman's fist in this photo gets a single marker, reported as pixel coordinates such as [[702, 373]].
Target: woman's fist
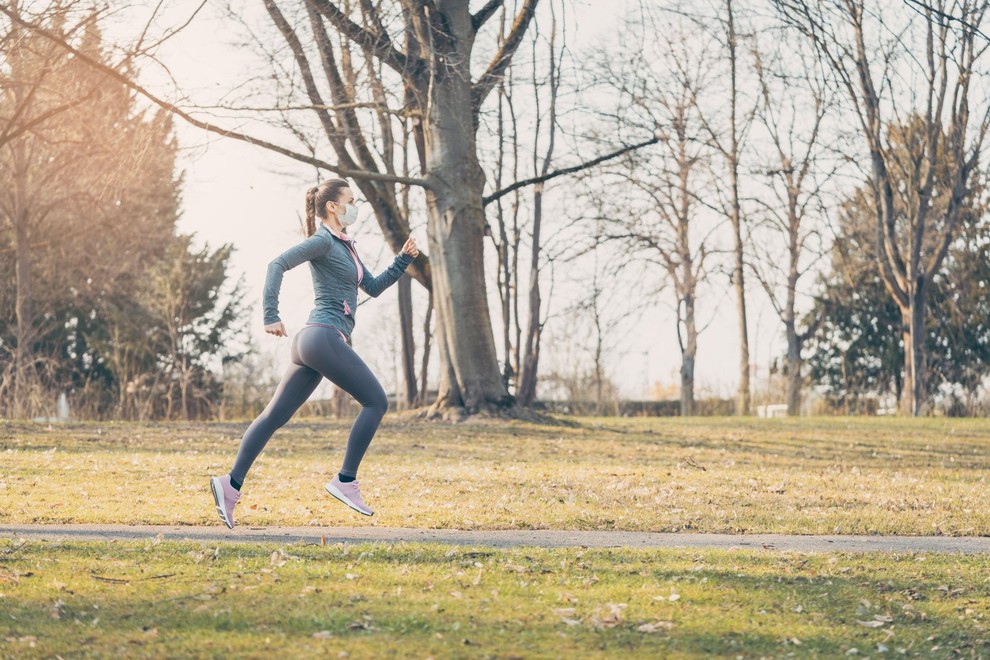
[[277, 329], [410, 247]]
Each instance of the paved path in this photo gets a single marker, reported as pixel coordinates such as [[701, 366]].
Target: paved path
[[505, 538]]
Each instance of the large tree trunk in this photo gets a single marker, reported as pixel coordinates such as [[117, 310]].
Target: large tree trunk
[[467, 347], [456, 222]]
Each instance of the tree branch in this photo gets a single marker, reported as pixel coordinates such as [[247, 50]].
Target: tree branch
[[949, 18], [497, 67], [172, 109], [11, 135], [485, 201], [292, 39], [483, 14], [378, 45]]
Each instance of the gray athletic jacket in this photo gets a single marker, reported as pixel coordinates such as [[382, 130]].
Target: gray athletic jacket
[[337, 272]]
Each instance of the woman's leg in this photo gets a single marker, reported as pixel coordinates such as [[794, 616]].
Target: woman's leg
[[297, 384], [328, 353]]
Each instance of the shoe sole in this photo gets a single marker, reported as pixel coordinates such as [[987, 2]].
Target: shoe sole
[[215, 488], [333, 490]]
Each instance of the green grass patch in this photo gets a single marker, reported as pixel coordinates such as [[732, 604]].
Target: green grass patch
[[180, 599], [805, 476]]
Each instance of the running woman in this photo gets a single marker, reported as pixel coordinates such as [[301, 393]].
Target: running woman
[[322, 348]]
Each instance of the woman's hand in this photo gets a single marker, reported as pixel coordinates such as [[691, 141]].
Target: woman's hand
[[277, 329], [410, 247]]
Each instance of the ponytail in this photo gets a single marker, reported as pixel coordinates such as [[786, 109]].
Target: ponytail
[[311, 210]]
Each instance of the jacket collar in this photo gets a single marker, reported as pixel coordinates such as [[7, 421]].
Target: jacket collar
[[342, 236]]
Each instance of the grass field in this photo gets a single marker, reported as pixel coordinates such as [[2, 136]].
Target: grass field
[[805, 476], [151, 599], [177, 599]]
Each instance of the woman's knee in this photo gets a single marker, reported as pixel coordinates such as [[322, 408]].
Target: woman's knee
[[378, 400]]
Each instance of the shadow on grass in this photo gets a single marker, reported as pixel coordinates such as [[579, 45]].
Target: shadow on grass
[[421, 599]]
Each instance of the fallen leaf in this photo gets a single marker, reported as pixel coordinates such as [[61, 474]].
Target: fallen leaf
[[655, 626], [610, 619]]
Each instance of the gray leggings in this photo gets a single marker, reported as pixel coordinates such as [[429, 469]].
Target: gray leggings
[[318, 352]]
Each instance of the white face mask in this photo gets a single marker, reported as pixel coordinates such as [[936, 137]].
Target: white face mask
[[349, 217]]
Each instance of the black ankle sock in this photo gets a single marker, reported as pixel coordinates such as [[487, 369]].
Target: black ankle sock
[[236, 485], [345, 479]]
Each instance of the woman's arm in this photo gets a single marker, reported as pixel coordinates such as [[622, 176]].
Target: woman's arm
[[313, 247], [373, 285]]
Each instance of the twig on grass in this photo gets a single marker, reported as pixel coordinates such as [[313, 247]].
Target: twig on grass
[[690, 462], [129, 580]]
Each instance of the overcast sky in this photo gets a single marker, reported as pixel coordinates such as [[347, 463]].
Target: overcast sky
[[253, 198]]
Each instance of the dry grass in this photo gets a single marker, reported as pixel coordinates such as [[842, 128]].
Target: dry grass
[[807, 476]]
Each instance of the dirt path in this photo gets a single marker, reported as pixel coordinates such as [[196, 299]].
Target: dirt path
[[505, 538]]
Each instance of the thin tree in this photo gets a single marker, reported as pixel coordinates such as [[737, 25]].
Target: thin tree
[[665, 224], [728, 139], [521, 346], [794, 104]]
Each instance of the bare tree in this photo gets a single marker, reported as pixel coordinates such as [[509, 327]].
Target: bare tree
[[443, 100], [596, 305], [521, 361], [795, 102], [665, 225], [728, 139], [526, 390], [912, 67]]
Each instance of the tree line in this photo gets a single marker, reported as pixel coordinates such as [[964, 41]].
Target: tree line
[[102, 298], [823, 154]]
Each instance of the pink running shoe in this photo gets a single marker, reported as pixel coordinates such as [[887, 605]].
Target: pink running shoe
[[225, 496], [349, 494]]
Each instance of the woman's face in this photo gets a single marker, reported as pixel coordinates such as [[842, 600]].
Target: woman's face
[[345, 196]]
